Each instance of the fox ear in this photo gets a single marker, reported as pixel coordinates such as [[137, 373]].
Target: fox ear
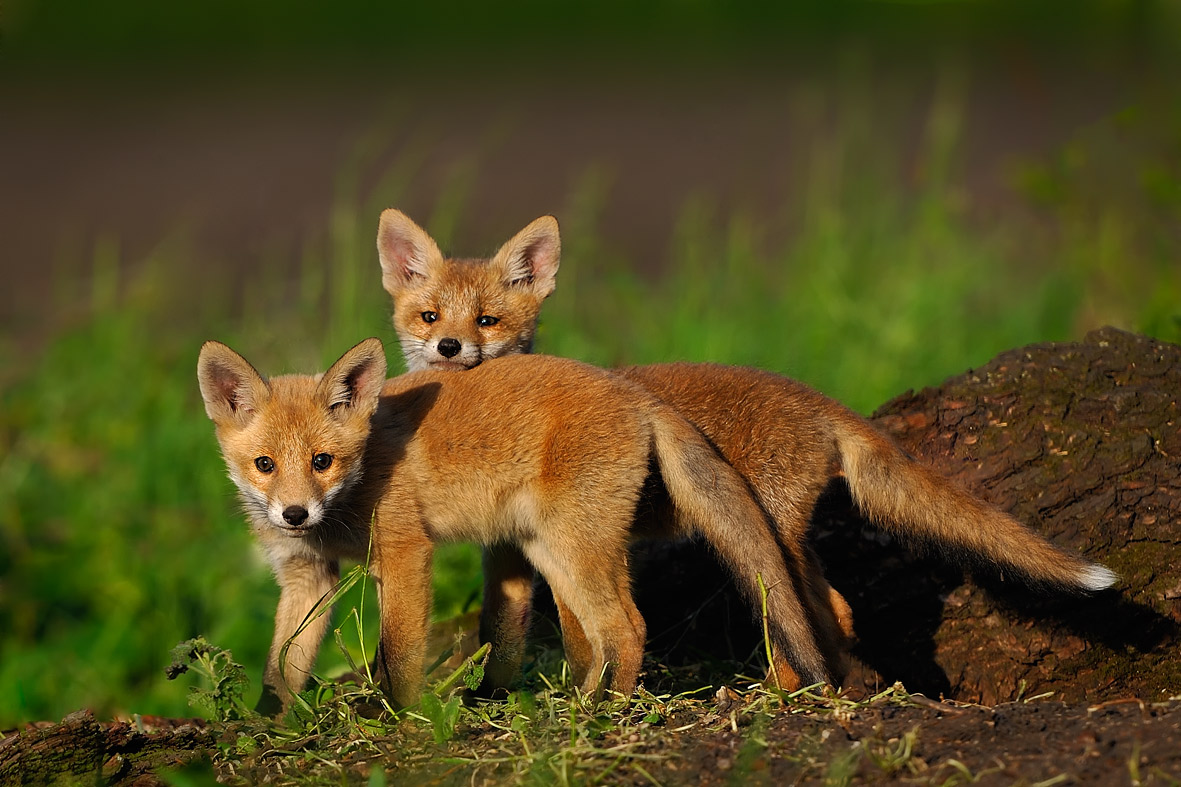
[[232, 389], [405, 250], [531, 256], [353, 384]]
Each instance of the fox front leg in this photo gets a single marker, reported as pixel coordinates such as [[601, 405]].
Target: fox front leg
[[303, 582], [403, 573]]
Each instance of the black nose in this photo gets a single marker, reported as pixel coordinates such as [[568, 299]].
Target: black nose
[[449, 348], [295, 515]]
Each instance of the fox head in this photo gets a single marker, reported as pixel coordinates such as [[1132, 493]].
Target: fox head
[[457, 313], [294, 443]]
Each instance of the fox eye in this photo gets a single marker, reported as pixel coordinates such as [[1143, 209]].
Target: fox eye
[[485, 320], [322, 461], [264, 464], [430, 316]]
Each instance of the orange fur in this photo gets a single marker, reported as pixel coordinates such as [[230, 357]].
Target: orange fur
[[542, 456], [785, 439], [457, 313]]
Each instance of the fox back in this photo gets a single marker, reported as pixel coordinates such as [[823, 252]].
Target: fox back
[[457, 313]]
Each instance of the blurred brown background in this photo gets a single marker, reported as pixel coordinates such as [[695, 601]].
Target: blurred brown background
[[133, 126]]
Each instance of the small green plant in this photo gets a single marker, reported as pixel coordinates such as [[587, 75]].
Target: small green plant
[[441, 704], [323, 607], [443, 715], [842, 768], [963, 774], [223, 701], [893, 755]]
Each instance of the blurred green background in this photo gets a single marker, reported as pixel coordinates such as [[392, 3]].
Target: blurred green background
[[868, 196]]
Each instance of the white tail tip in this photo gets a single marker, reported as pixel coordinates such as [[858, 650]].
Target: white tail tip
[[1097, 577]]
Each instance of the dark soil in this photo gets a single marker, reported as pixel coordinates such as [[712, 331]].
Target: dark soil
[[917, 742], [1112, 743]]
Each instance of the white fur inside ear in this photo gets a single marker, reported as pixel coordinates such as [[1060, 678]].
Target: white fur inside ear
[[341, 395], [350, 389], [354, 382], [533, 254], [230, 387], [405, 249], [519, 270], [409, 258]]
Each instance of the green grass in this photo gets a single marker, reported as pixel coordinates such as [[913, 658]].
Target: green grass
[[553, 734], [119, 533]]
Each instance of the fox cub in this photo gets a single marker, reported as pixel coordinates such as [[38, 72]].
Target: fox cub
[[457, 313], [544, 455], [786, 440]]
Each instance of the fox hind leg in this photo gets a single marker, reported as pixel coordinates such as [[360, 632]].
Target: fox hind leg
[[504, 618], [599, 611], [827, 610], [829, 613], [574, 642]]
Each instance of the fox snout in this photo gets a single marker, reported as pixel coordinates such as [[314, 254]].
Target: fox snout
[[296, 519], [295, 515], [451, 352]]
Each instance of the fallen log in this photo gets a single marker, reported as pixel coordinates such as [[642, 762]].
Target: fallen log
[[81, 750]]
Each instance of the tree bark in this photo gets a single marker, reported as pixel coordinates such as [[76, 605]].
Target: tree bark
[[80, 750], [1080, 441]]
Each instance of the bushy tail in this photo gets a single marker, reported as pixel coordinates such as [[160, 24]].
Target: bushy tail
[[708, 493], [907, 499]]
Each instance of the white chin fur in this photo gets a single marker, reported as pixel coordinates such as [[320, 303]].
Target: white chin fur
[[463, 360], [314, 508]]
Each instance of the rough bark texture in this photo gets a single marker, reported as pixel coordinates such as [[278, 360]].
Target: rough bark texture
[[1082, 442], [80, 750]]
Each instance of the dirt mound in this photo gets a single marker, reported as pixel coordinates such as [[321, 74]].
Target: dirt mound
[[1081, 441]]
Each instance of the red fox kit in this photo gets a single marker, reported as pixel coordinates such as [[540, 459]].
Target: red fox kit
[[456, 313], [544, 455], [784, 438]]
